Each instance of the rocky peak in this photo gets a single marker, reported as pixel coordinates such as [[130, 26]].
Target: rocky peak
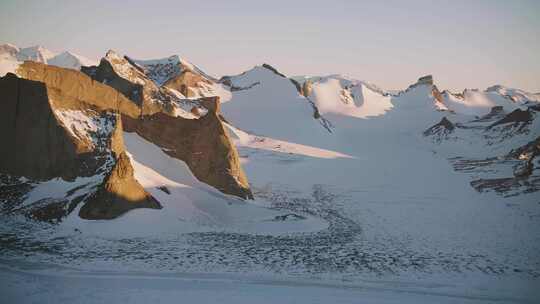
[[422, 81], [203, 144], [274, 70], [425, 80], [197, 136]]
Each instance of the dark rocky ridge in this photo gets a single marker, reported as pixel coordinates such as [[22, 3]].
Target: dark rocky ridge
[[516, 116], [40, 145], [118, 193], [202, 143], [444, 125], [139, 89]]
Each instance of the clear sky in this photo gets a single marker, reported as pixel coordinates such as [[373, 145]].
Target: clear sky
[[471, 44]]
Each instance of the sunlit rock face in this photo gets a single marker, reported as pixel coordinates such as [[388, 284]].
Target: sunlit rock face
[[60, 125], [188, 129]]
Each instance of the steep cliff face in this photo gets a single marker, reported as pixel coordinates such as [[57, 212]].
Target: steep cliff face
[[118, 193], [129, 80], [202, 143], [188, 129], [56, 133], [134, 82], [72, 89], [35, 143]]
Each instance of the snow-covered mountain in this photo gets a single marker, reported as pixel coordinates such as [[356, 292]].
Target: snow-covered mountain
[[305, 177], [11, 56], [343, 95]]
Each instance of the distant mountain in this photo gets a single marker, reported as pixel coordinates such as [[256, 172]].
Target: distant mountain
[[11, 56]]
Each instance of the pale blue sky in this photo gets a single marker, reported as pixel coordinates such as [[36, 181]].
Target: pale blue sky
[[390, 43]]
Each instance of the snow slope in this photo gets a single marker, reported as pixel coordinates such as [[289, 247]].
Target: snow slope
[[268, 104], [343, 95], [372, 210], [474, 102], [402, 227], [395, 185], [188, 204], [70, 60]]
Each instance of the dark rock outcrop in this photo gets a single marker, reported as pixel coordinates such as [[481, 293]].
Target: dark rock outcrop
[[428, 79], [517, 116], [202, 143], [527, 154], [34, 143], [61, 124], [443, 127], [274, 70], [118, 193], [494, 113], [72, 89], [130, 80]]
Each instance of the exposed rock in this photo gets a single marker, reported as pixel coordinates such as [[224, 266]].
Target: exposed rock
[[297, 85], [129, 80], [187, 83], [307, 87], [495, 112], [226, 80], [527, 154], [425, 80], [535, 108], [203, 144], [443, 127], [428, 80], [161, 70], [35, 144], [294, 82], [517, 116], [70, 89], [271, 68], [64, 127], [162, 85], [437, 94], [164, 189], [119, 193], [523, 161]]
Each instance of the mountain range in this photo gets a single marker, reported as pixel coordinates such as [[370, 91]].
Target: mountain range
[[261, 162]]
